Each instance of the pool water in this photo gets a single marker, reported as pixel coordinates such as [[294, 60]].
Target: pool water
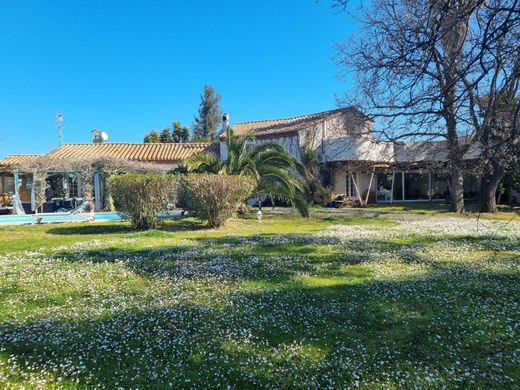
[[49, 218], [58, 217]]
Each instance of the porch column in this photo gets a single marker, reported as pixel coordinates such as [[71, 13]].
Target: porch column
[[392, 188], [430, 185], [33, 197], [17, 203], [78, 183], [402, 180], [65, 185], [97, 192]]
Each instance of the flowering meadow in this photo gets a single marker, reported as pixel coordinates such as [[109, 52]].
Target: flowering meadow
[[340, 300]]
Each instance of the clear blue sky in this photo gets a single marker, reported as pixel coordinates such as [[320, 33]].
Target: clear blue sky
[[126, 67]]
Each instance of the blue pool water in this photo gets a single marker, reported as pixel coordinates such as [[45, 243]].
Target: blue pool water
[[49, 218], [54, 218]]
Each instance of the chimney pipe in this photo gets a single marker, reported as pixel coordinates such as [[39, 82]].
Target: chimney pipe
[[225, 123], [98, 136]]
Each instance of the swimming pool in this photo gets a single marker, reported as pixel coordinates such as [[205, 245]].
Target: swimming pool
[[79, 217], [58, 217]]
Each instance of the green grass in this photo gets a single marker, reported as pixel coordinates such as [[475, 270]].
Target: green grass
[[376, 298]]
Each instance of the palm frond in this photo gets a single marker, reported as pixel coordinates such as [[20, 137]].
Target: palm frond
[[273, 152], [269, 163], [204, 162]]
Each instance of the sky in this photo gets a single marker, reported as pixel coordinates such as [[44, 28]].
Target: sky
[[126, 67]]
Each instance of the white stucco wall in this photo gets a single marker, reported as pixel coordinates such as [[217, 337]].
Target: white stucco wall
[[328, 138], [351, 148], [290, 144], [340, 181], [350, 124]]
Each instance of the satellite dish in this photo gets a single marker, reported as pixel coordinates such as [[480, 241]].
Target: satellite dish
[[104, 136]]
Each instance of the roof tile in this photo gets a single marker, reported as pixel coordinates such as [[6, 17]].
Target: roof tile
[[144, 152], [17, 159], [273, 127]]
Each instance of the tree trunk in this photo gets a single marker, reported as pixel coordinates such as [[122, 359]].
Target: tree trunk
[[455, 153], [488, 191], [456, 190]]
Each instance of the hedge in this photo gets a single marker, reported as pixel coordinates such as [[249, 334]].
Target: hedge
[[216, 198], [143, 196]]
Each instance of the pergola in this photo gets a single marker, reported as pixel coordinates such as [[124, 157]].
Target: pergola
[[89, 173]]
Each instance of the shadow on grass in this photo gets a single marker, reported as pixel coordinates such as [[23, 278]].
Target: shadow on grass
[[273, 256], [240, 258], [92, 229], [299, 336], [184, 224]]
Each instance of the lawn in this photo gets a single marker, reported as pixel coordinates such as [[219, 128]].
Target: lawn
[[378, 298]]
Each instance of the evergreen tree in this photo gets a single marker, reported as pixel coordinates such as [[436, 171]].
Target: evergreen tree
[[153, 137], [206, 124], [166, 137], [180, 134], [185, 134]]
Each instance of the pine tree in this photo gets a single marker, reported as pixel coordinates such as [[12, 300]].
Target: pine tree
[[153, 137], [206, 125], [185, 134], [180, 134], [166, 137]]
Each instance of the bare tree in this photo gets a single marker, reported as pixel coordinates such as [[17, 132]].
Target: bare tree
[[423, 65], [500, 147]]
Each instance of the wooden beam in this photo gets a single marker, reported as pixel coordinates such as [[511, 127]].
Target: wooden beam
[[356, 188], [370, 185]]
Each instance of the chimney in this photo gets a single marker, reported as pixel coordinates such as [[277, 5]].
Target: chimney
[[98, 136], [225, 123]]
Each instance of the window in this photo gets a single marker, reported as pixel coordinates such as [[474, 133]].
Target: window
[[439, 185], [6, 184], [72, 184], [384, 186], [398, 186], [416, 186]]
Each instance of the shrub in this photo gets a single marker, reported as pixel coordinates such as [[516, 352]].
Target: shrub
[[319, 193], [216, 198], [143, 196]]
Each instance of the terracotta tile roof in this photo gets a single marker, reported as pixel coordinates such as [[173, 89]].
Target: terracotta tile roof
[[13, 160], [152, 152], [273, 127]]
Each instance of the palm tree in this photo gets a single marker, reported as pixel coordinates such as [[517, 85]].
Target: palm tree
[[269, 163]]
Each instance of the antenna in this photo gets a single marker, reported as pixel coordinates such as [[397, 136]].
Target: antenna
[[59, 126]]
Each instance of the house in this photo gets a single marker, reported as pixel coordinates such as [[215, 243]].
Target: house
[[359, 165], [16, 171]]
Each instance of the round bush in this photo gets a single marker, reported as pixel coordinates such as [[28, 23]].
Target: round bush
[[143, 196], [216, 198]]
